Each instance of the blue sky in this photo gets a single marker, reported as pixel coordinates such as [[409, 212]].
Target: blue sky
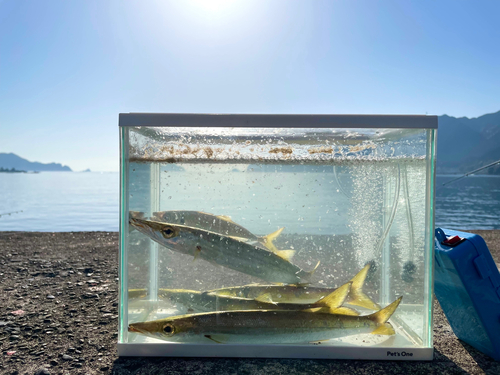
[[67, 68]]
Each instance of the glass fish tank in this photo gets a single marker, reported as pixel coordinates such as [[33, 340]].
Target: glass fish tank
[[291, 236]]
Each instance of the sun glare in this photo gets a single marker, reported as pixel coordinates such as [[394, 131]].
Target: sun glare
[[213, 6]]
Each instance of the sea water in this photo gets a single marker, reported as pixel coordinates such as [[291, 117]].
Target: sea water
[[371, 205]]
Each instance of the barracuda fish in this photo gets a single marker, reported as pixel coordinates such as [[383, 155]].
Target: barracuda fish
[[300, 294], [254, 260], [266, 326], [203, 302], [217, 224]]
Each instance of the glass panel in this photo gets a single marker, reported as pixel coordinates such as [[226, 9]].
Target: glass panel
[[345, 198]]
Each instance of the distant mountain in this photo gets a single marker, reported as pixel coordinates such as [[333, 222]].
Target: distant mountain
[[465, 144], [13, 161]]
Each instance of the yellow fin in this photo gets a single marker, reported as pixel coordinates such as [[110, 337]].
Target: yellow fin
[[316, 309], [311, 272], [356, 296], [385, 329], [266, 298], [382, 316], [344, 311], [285, 254], [336, 298], [268, 240], [305, 276], [197, 252], [225, 218]]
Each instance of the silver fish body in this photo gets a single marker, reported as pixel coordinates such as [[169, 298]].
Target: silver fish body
[[251, 259], [301, 293], [197, 301], [265, 326], [216, 224]]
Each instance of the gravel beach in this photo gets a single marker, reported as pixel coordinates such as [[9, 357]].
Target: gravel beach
[[59, 315]]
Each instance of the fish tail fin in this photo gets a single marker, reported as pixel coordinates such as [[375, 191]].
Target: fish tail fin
[[356, 296], [382, 316], [336, 298], [385, 329], [268, 240]]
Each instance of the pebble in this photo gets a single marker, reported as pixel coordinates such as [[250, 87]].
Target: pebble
[[54, 362], [67, 357], [50, 296], [42, 371]]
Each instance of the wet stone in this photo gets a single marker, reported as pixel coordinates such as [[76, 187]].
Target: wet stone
[[54, 362]]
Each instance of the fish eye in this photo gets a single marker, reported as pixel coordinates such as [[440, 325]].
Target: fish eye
[[168, 232], [168, 329]]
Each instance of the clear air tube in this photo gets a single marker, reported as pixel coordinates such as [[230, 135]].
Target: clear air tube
[[408, 213], [393, 212]]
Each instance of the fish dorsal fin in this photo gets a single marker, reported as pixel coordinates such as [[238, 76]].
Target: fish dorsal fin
[[311, 272], [226, 218], [384, 329], [382, 316], [266, 298], [285, 254], [356, 296], [268, 240], [342, 310], [305, 276], [336, 298], [339, 310]]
